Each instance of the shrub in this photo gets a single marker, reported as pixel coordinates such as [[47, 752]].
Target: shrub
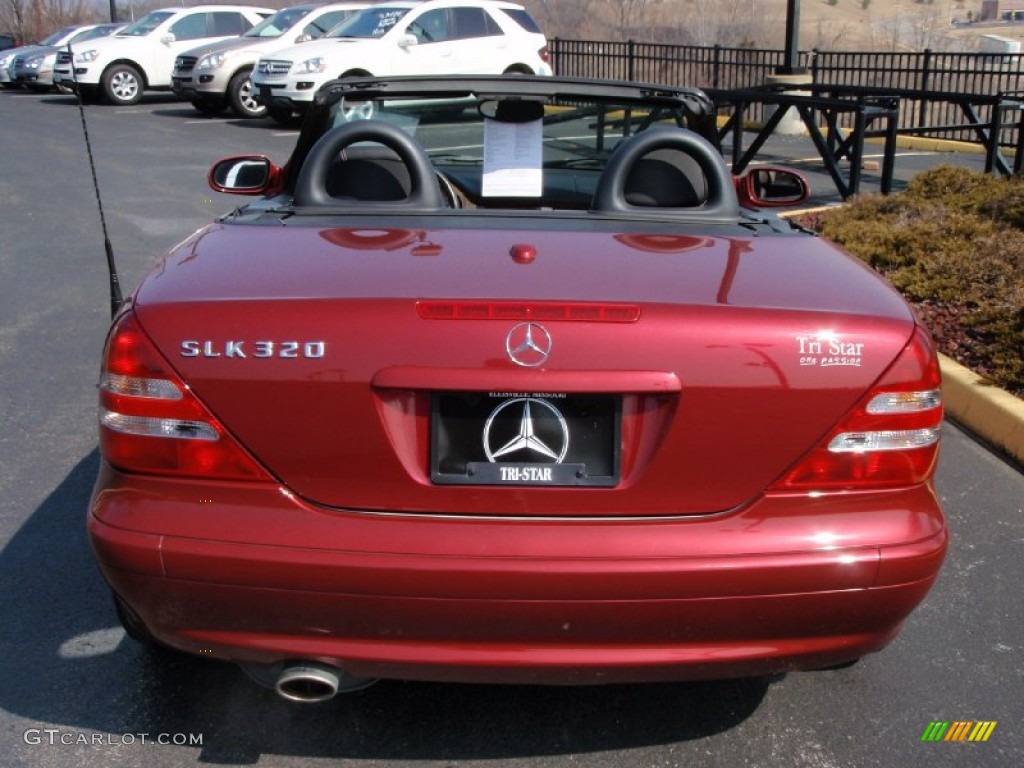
[[953, 244]]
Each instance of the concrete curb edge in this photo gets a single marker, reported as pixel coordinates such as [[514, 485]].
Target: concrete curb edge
[[993, 414]]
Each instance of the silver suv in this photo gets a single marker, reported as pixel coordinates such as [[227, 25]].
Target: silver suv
[[403, 37], [215, 76], [33, 66]]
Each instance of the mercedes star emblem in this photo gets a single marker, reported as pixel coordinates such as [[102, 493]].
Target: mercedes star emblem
[[528, 344], [528, 426]]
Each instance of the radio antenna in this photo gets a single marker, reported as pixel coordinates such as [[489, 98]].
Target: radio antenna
[[116, 299]]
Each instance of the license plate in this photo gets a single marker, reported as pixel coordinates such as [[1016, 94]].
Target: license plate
[[521, 438]]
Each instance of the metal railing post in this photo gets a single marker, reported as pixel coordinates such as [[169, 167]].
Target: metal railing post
[[922, 109]]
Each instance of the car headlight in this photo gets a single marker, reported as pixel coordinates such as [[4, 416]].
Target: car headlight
[[34, 63], [212, 61], [86, 56], [311, 66]]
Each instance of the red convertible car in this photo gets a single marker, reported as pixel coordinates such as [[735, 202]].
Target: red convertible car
[[507, 379]]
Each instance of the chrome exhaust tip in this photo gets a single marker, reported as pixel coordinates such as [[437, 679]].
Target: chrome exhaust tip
[[311, 682], [308, 683]]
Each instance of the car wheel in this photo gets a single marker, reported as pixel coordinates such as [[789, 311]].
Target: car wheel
[[241, 97], [208, 107], [89, 94], [283, 116], [122, 85]]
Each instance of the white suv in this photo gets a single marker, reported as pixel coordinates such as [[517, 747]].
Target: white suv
[[215, 76], [407, 38], [141, 56]]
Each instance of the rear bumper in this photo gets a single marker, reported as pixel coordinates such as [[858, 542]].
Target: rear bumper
[[253, 575]]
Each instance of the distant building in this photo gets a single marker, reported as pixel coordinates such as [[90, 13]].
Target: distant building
[[1002, 10]]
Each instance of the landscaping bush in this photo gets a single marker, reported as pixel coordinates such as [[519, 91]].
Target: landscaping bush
[[953, 244]]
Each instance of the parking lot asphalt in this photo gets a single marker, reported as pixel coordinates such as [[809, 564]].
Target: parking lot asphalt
[[77, 691]]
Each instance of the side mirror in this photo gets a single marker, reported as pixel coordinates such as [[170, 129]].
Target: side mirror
[[167, 39], [303, 38], [770, 186], [407, 41], [246, 175]]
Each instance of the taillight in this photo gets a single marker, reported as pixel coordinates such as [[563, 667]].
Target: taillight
[[544, 55], [150, 421], [890, 439]]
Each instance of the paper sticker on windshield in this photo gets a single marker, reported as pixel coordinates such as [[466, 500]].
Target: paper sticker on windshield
[[828, 350], [513, 159], [386, 19]]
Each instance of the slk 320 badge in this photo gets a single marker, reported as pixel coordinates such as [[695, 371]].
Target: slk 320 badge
[[258, 349]]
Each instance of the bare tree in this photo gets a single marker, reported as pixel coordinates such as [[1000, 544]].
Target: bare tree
[[725, 22], [32, 20], [53, 14], [13, 18], [927, 28], [633, 18], [924, 26], [826, 36], [568, 18]]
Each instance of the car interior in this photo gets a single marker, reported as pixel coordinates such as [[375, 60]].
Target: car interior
[[372, 169]]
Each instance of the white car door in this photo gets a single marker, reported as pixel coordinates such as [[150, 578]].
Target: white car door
[[435, 50], [188, 31], [481, 48]]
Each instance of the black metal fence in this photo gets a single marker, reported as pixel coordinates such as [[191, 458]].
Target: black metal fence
[[663, 63], [932, 86]]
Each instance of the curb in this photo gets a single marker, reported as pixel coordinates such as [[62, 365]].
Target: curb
[[994, 415]]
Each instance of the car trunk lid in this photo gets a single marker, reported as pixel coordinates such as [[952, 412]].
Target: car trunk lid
[[376, 369]]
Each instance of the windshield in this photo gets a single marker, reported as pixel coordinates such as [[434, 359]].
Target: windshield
[[92, 34], [57, 37], [500, 138], [146, 24], [279, 23], [370, 23], [578, 135]]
